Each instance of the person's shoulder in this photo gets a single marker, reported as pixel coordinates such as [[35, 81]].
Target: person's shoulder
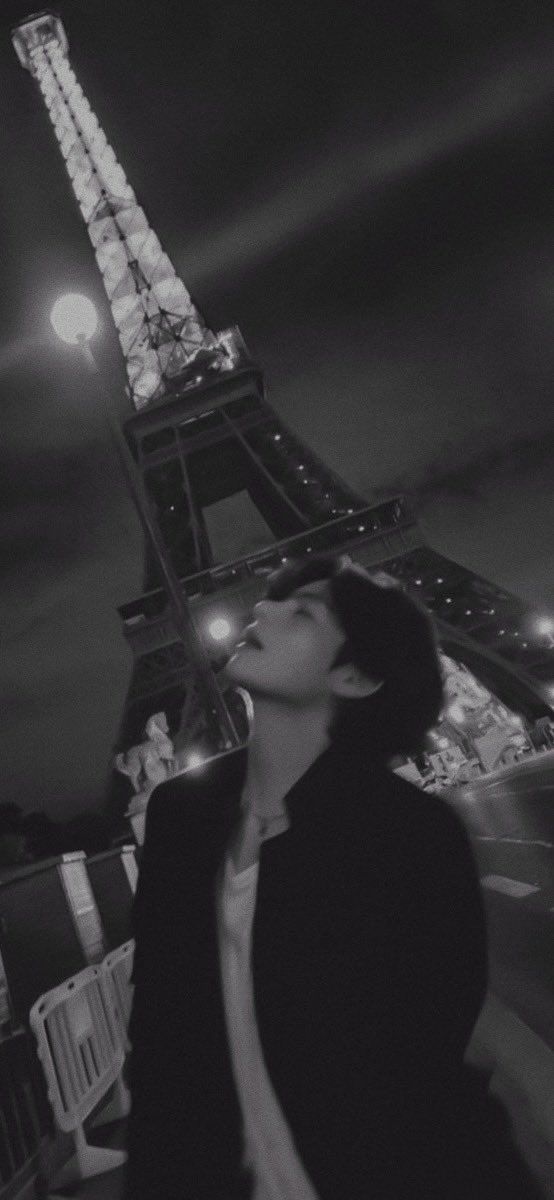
[[425, 814], [203, 791]]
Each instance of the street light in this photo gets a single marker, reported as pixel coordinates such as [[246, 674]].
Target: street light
[[194, 761], [545, 628], [219, 629], [74, 320]]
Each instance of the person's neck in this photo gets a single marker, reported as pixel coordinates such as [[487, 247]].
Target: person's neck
[[283, 744]]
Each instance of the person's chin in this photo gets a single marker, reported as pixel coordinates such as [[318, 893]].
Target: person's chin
[[237, 669]]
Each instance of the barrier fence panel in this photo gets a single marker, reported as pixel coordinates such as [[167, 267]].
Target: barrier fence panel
[[112, 876], [25, 1117], [76, 1026], [116, 976], [118, 966], [49, 928]]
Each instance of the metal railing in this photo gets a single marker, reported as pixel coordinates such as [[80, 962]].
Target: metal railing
[[25, 1118]]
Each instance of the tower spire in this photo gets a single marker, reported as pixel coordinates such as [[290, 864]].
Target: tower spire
[[160, 329]]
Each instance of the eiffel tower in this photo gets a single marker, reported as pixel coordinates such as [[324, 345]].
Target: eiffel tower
[[233, 490]]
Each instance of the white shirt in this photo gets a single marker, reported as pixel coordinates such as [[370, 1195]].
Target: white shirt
[[269, 1149]]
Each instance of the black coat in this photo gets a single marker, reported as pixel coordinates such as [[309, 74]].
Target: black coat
[[369, 968]]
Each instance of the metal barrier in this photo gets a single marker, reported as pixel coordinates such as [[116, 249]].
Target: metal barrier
[[118, 966], [25, 1117], [77, 1027]]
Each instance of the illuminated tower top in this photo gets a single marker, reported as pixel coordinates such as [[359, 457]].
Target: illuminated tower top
[[160, 330]]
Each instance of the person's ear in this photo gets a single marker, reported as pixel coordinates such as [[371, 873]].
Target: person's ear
[[350, 682]]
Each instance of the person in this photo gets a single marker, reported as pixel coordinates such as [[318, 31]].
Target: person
[[311, 955]]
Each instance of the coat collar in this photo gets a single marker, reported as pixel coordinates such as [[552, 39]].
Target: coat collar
[[338, 769]]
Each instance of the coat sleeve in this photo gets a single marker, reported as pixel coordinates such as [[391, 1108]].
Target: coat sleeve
[[456, 1135], [442, 978], [147, 909], [179, 1105], [442, 961], [162, 870], [416, 1096], [153, 1051]]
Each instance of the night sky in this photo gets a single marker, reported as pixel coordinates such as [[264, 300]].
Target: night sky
[[365, 190]]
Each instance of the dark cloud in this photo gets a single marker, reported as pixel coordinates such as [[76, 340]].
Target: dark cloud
[[46, 526], [464, 468], [347, 171]]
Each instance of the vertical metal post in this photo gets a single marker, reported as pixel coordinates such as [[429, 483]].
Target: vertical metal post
[[184, 624]]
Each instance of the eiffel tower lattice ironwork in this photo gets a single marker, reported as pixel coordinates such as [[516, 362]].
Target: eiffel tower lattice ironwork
[[233, 490]]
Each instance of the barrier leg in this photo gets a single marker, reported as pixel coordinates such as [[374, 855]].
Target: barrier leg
[[118, 1107], [87, 1161]]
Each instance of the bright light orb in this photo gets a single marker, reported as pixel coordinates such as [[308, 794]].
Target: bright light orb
[[545, 626], [74, 318], [194, 760], [219, 629]]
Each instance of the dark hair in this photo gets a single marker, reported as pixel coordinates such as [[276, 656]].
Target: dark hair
[[390, 636]]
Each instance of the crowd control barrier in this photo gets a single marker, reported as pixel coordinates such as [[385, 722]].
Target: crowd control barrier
[[118, 966], [113, 879], [25, 1116], [77, 1028], [50, 928]]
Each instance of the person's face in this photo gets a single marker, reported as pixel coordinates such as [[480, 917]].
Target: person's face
[[288, 650]]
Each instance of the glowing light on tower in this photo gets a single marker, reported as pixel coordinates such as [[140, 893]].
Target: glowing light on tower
[[159, 327]]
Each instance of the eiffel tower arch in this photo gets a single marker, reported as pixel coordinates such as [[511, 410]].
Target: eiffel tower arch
[[232, 490]]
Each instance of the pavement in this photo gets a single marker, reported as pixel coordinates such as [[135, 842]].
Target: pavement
[[522, 1066], [510, 818], [513, 802]]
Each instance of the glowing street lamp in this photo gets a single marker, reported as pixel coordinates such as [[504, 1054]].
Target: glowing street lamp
[[545, 628], [74, 318], [194, 760], [219, 629]]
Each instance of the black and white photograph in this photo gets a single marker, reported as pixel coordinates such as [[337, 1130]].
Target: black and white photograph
[[277, 615]]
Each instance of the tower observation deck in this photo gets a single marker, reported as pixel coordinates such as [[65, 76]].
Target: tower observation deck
[[233, 490]]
